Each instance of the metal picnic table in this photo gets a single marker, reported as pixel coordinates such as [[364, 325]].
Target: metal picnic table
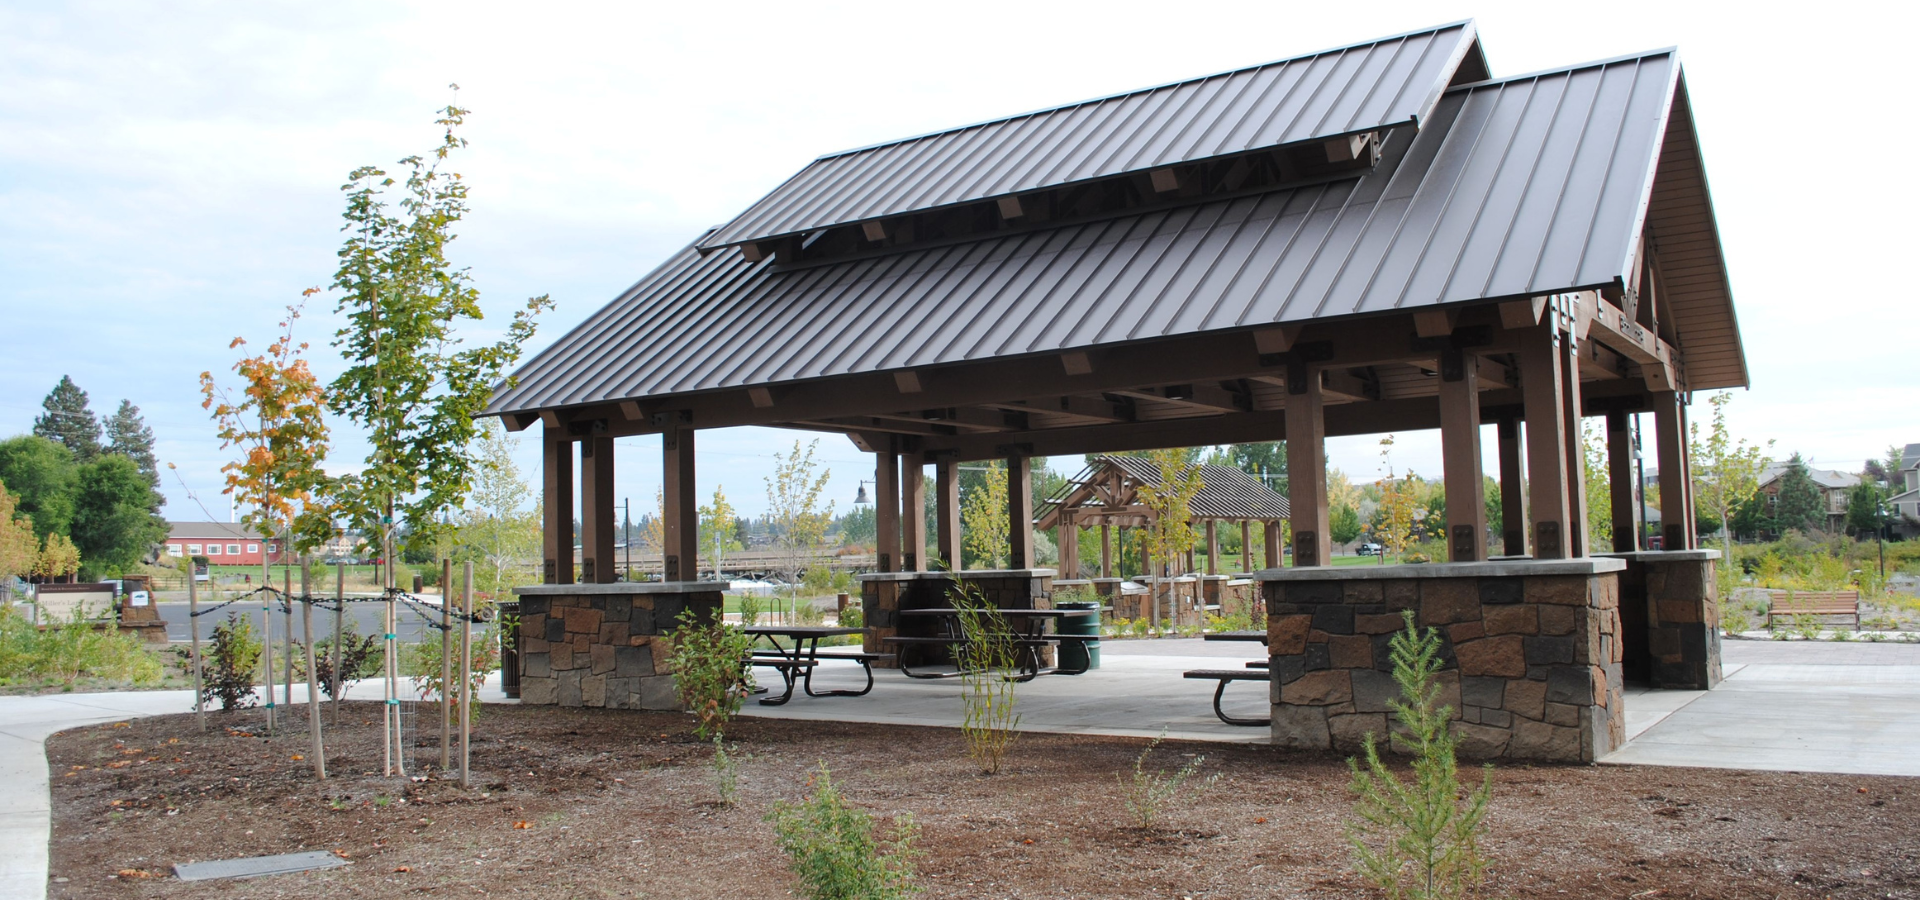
[[1027, 627], [796, 660]]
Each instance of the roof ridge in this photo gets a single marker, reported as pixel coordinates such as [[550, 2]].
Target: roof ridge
[[1671, 50], [1466, 23]]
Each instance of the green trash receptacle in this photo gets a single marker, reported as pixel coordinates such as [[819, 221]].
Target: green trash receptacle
[[1079, 654]]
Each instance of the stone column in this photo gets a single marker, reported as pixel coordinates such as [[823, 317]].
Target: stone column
[[1307, 467], [597, 564], [556, 453], [1460, 449], [681, 526]]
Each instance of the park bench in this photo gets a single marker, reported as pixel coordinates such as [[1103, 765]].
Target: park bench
[[1813, 603], [1255, 671], [801, 670]]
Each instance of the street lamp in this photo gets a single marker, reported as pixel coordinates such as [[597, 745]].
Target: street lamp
[[860, 498]]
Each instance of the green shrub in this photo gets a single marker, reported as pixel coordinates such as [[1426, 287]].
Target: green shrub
[[359, 658], [706, 661], [232, 663], [65, 651], [726, 772], [835, 852], [749, 610], [1418, 840], [422, 662]]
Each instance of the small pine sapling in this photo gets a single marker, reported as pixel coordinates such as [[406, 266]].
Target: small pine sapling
[[1418, 840]]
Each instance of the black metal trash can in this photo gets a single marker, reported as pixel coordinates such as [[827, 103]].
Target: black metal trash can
[[1079, 654], [509, 612]]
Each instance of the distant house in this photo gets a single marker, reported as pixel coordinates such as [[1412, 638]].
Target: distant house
[[1833, 486], [222, 543], [1906, 500]]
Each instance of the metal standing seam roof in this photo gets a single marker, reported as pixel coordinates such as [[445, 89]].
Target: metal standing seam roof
[[1226, 492], [1341, 91], [1519, 187]]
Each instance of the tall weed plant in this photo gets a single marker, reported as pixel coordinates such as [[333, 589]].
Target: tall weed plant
[[837, 851], [1147, 794], [1420, 839], [986, 661]]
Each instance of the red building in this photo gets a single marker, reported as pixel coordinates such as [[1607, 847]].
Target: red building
[[222, 544]]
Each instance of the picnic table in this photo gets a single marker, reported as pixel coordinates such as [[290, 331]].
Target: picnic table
[[1255, 670], [1028, 633], [800, 655]]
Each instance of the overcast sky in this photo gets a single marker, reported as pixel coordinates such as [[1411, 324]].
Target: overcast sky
[[170, 173]]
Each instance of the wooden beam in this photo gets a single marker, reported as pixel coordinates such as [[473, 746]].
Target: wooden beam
[[1276, 340], [556, 453], [1460, 457], [1520, 314], [1676, 500], [946, 519], [886, 508], [1094, 408], [1576, 448], [761, 398], [1270, 534], [1433, 323], [1067, 536], [680, 526], [913, 515], [1213, 547], [1165, 180], [1547, 442], [597, 564], [1206, 397], [1246, 545], [1306, 433], [1620, 486], [1513, 488], [907, 382], [874, 231], [1020, 511], [1010, 208], [1106, 550], [1076, 362]]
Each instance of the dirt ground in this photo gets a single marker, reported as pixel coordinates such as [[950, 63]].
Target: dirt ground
[[604, 804]]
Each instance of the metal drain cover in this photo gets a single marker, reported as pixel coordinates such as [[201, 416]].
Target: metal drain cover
[[256, 866]]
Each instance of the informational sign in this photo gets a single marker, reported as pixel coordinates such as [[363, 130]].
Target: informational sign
[[139, 598]]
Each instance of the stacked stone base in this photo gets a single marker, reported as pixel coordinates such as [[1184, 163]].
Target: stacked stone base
[[1532, 654], [884, 594], [1670, 599], [599, 645]]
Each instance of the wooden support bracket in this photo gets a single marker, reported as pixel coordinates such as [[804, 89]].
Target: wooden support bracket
[[1433, 323], [1010, 208], [1076, 363], [907, 382]]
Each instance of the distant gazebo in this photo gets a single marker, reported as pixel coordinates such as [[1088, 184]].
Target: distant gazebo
[[1106, 495]]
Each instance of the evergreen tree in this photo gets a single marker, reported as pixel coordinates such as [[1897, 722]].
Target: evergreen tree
[[1266, 459], [68, 421], [1863, 508], [114, 525], [129, 436], [1798, 503], [39, 473]]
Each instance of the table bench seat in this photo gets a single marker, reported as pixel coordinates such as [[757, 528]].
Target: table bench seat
[[800, 670], [1030, 665], [1229, 676], [1813, 603]]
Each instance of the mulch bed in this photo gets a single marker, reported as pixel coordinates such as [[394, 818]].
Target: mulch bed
[[604, 804]]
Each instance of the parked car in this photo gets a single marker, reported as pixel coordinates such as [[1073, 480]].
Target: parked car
[[1369, 548]]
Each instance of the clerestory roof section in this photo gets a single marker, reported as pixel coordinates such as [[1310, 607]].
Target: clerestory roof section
[[1527, 186], [1348, 90]]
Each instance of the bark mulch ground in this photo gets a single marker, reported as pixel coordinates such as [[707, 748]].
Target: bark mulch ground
[[604, 804]]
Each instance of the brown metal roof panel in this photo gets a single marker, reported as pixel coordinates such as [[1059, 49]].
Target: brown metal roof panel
[[1365, 86]]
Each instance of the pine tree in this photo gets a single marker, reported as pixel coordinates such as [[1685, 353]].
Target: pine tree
[[1798, 503], [68, 421], [129, 436]]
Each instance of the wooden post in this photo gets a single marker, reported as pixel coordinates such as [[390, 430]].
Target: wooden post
[[946, 512], [1570, 407], [1620, 487], [1541, 393], [681, 530], [1676, 501], [286, 621], [466, 680], [266, 641], [1460, 457], [1213, 547], [1067, 537], [557, 488], [1307, 467], [446, 652], [1106, 550], [1270, 540], [1020, 512], [1513, 488], [913, 514], [193, 623], [1246, 545], [1686, 475], [319, 749], [339, 614], [394, 736], [597, 563], [886, 510]]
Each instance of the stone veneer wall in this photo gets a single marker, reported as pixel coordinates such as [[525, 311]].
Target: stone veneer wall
[[884, 594], [595, 644], [1670, 607], [1531, 650]]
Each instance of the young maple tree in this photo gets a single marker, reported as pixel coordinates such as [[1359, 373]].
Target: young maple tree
[[278, 420], [411, 381]]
